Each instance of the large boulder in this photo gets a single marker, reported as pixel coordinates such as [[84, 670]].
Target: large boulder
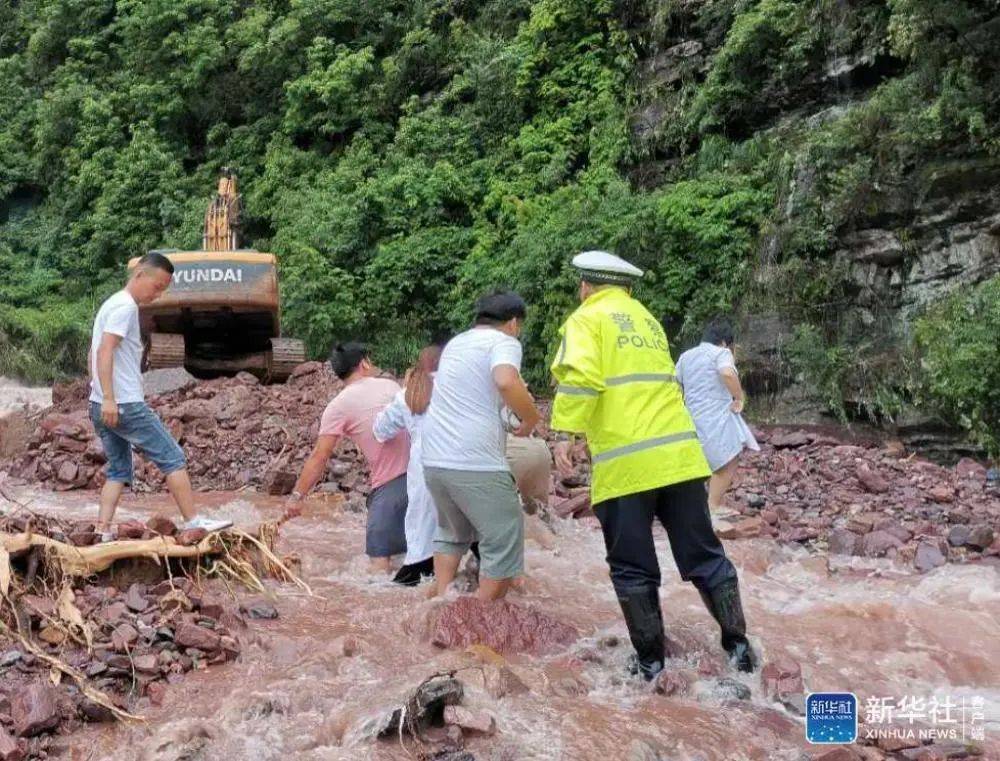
[[502, 626]]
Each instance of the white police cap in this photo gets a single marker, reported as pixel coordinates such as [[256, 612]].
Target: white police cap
[[602, 267]]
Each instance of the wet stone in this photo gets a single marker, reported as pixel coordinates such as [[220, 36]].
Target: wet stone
[[259, 609], [728, 688]]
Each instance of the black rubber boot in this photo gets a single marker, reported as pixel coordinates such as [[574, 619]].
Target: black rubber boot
[[723, 602], [641, 608], [410, 575]]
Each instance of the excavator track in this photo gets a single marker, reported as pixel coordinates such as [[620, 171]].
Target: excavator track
[[286, 355], [165, 350]]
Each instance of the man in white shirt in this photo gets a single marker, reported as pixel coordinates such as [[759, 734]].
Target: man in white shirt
[[118, 407], [464, 446]]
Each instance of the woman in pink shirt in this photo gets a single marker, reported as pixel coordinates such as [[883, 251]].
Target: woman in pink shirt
[[351, 414]]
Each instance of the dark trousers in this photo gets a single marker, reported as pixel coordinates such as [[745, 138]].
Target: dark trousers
[[682, 508]]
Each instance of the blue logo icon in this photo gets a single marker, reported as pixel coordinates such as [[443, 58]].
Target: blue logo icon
[[831, 718]]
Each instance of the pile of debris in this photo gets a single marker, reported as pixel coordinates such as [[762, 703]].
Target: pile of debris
[[235, 432], [75, 651], [871, 501]]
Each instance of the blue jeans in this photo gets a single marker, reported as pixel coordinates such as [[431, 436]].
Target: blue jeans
[[138, 428]]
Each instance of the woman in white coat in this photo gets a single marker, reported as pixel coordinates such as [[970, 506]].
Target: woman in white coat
[[406, 412], [714, 397]]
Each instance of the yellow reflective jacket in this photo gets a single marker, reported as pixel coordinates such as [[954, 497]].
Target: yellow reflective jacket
[[616, 385]]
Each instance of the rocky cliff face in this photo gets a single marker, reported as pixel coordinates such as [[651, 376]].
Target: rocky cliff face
[[876, 217]]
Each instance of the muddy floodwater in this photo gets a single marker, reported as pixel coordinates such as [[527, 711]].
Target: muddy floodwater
[[296, 692]]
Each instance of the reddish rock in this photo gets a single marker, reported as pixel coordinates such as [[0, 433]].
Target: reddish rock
[[870, 480], [135, 599], [835, 754], [781, 677], [156, 691], [10, 749], [790, 440], [942, 494], [131, 530], [34, 709], [279, 481], [67, 472], [113, 613], [504, 626], [980, 537], [123, 637], [671, 682], [191, 536], [843, 542], [474, 721], [158, 524], [878, 543], [928, 557], [741, 529], [573, 506], [969, 468], [38, 607], [192, 635], [148, 664]]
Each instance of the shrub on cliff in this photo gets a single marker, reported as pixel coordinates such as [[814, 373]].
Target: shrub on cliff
[[958, 341]]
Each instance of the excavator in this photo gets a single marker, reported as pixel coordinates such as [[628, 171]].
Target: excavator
[[220, 315]]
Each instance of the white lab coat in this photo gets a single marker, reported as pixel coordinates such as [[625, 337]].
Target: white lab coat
[[421, 514]]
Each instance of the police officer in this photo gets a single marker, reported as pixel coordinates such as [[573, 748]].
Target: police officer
[[616, 386]]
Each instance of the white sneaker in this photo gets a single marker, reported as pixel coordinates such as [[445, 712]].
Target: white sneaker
[[105, 537], [208, 524]]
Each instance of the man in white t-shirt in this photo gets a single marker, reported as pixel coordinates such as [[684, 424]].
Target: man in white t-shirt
[[118, 407], [464, 446]]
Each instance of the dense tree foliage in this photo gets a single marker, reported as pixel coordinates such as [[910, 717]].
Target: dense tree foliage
[[400, 157]]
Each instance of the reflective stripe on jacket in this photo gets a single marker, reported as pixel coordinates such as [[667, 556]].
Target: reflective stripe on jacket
[[616, 385]]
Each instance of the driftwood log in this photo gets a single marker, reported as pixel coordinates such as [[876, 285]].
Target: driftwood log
[[85, 561]]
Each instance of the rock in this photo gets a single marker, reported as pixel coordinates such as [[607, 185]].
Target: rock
[[10, 749], [156, 691], [756, 501], [9, 658], [474, 721], [279, 481], [504, 626], [794, 703], [958, 536], [843, 542], [671, 682], [38, 607], [780, 677], [161, 525], [742, 529], [790, 440], [190, 536], [123, 637], [980, 537], [574, 506], [131, 530], [928, 557], [878, 543], [424, 707], [95, 712], [970, 469], [941, 494], [67, 472], [870, 480], [259, 609], [113, 612], [34, 709], [135, 599], [500, 681], [52, 635], [148, 664], [166, 380], [835, 754], [728, 688], [192, 635]]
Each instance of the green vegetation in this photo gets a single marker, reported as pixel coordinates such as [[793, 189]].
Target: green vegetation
[[959, 353], [401, 157]]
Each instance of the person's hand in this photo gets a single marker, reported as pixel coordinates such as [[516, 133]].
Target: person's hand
[[109, 413], [737, 405], [293, 507], [525, 429], [563, 454]]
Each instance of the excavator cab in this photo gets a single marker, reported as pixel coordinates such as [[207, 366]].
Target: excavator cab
[[221, 314]]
